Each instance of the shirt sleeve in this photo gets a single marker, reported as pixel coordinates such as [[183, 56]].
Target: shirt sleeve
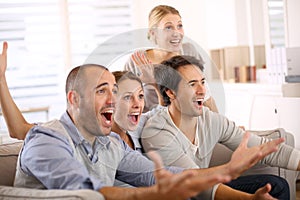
[[48, 156]]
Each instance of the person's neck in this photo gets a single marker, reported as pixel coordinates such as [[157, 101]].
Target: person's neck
[[123, 134], [88, 137], [186, 124], [158, 55]]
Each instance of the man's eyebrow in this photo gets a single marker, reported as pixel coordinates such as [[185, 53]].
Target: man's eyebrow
[[193, 81], [101, 85], [105, 84]]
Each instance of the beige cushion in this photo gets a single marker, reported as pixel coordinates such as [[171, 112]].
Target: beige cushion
[[9, 193], [8, 160]]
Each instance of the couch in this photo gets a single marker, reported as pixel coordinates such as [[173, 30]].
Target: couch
[[9, 155], [222, 155], [8, 159]]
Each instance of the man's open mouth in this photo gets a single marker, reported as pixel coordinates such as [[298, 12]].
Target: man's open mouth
[[107, 115]]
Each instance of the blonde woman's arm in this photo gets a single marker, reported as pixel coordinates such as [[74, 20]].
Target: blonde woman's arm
[[16, 123], [211, 104]]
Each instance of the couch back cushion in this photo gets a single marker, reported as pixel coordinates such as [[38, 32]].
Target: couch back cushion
[[8, 160]]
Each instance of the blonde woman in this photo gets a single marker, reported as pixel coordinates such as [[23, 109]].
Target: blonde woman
[[166, 32]]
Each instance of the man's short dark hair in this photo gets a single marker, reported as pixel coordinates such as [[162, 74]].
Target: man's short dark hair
[[75, 76], [167, 76]]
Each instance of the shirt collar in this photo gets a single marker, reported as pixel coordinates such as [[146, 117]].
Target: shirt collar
[[75, 135], [135, 140]]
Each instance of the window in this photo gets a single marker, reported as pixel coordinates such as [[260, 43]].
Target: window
[[48, 37], [276, 23]]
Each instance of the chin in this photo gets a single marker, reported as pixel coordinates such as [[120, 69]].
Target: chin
[[129, 127], [105, 131]]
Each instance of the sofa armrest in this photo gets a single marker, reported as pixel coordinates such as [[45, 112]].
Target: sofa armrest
[[8, 192], [8, 160], [222, 154], [276, 133]]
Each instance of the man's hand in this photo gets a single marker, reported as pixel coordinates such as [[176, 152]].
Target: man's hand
[[183, 185], [243, 157]]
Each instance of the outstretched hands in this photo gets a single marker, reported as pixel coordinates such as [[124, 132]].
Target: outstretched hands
[[243, 157], [3, 59], [183, 185], [263, 193]]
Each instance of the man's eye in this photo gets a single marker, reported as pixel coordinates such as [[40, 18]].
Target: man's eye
[[180, 26], [192, 84], [141, 96], [101, 91], [115, 92]]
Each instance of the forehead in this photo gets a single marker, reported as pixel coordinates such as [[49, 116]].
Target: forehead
[[190, 72], [98, 75], [129, 85], [170, 18]]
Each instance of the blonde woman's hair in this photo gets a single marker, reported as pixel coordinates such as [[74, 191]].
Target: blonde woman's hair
[[157, 14]]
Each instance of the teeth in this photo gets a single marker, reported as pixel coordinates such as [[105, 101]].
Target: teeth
[[175, 41], [136, 113], [199, 101], [109, 111]]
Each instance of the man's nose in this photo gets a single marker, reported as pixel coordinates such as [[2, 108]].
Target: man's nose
[[201, 88], [112, 98]]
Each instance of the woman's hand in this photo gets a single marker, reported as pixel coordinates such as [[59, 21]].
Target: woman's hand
[[3, 60], [145, 66]]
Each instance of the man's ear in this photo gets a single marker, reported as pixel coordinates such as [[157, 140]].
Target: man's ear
[[171, 94], [73, 98]]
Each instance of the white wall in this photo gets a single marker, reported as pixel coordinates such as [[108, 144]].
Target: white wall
[[221, 24], [293, 23]]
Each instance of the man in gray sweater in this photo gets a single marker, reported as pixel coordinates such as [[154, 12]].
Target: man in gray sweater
[[185, 132]]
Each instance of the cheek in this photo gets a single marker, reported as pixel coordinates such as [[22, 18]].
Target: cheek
[[162, 35], [142, 104], [97, 104], [186, 94], [121, 108]]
